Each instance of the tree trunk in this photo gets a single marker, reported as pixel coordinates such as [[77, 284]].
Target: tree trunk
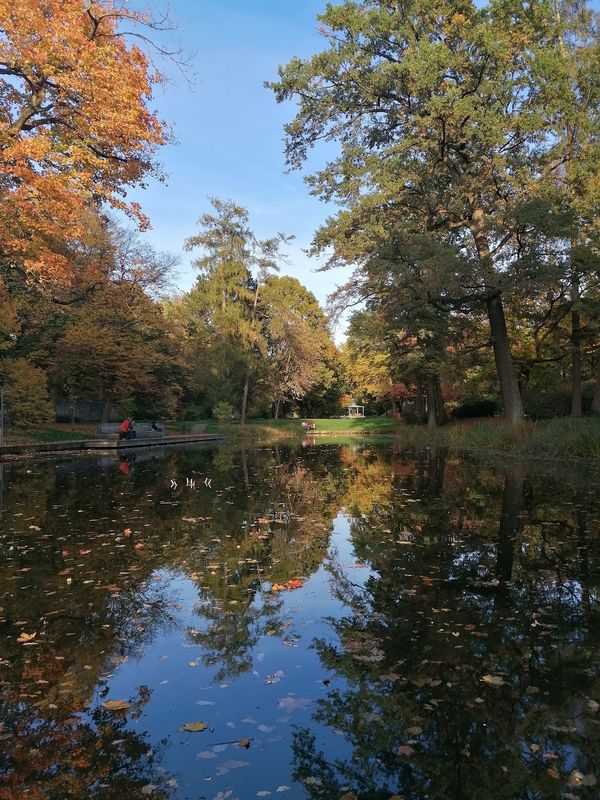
[[509, 521], [245, 469], [245, 398], [277, 403], [419, 401], [439, 401], [596, 398], [104, 413], [576, 407], [436, 467], [509, 388], [435, 405]]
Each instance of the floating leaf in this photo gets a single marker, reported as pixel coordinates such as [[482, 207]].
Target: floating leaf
[[193, 727], [493, 680], [404, 750], [26, 637], [116, 705], [244, 743], [553, 773], [577, 778], [414, 731]]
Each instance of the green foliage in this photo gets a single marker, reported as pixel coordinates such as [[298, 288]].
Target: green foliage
[[481, 407], [447, 130], [223, 412]]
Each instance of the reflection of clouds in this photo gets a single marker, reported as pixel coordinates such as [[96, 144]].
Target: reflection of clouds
[[291, 703]]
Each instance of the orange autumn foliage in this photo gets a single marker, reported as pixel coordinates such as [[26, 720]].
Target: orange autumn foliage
[[76, 129]]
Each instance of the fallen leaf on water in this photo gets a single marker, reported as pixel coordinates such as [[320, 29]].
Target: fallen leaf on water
[[244, 743], [193, 727], [577, 778], [493, 680], [553, 773], [404, 750], [26, 637], [139, 545], [414, 731], [116, 705]]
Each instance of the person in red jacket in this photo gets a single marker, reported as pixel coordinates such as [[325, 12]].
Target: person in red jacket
[[126, 430]]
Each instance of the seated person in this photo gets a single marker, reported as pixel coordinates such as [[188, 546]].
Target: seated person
[[156, 427], [126, 430]]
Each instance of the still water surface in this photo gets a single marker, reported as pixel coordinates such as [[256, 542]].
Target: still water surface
[[442, 641]]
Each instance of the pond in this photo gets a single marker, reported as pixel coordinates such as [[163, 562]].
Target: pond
[[344, 621]]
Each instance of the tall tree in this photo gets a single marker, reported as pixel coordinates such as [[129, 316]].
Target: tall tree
[[436, 109], [227, 292]]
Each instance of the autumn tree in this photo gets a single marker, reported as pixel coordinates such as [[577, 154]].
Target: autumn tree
[[298, 339], [76, 126]]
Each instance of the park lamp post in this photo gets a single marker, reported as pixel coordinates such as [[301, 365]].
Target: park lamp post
[[1, 414]]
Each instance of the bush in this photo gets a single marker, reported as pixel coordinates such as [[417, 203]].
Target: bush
[[409, 414], [26, 394], [223, 412], [479, 407], [547, 402]]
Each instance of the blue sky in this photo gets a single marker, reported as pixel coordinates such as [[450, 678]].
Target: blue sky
[[229, 129]]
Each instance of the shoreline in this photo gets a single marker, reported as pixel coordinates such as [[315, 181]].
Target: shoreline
[[8, 451]]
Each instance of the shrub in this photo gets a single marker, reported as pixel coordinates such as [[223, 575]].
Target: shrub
[[26, 393], [477, 407], [223, 412], [547, 402]]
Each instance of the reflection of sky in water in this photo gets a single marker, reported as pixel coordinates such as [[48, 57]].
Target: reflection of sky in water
[[444, 627]]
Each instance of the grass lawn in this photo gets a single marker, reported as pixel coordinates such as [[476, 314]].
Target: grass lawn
[[288, 427], [51, 432]]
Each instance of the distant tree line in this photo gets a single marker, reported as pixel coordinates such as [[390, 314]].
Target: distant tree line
[[464, 160]]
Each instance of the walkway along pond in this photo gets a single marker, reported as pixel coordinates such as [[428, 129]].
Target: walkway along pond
[[321, 622]]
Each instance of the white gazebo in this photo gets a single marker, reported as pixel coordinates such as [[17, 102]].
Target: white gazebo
[[356, 411]]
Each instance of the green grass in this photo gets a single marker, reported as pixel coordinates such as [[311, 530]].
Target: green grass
[[272, 430], [560, 438], [52, 432], [57, 436]]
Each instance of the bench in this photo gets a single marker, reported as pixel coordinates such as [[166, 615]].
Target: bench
[[143, 430]]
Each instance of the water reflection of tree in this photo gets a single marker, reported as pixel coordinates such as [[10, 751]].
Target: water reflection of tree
[[455, 604], [278, 529], [53, 754]]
